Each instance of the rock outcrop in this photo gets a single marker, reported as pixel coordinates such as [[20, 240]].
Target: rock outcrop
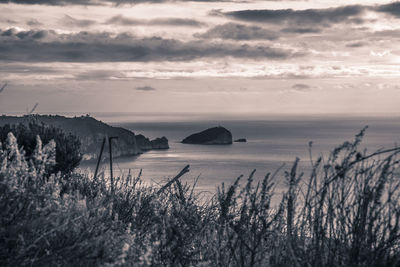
[[240, 140], [145, 144], [212, 136], [160, 143]]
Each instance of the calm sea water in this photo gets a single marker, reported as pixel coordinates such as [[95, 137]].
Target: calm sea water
[[270, 144]]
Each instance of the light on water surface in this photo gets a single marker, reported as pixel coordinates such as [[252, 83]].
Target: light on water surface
[[270, 145]]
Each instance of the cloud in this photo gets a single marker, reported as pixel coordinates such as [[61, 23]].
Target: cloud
[[33, 22], [384, 34], [99, 2], [380, 54], [50, 2], [392, 9], [25, 69], [121, 20], [145, 88], [301, 87], [72, 22], [298, 88], [48, 46], [12, 33], [11, 21], [238, 32], [98, 75], [302, 30], [356, 44], [306, 17]]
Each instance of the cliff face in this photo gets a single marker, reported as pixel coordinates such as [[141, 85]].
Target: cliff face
[[144, 143], [160, 143], [212, 136], [91, 133]]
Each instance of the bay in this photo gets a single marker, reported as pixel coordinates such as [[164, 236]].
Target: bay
[[271, 144]]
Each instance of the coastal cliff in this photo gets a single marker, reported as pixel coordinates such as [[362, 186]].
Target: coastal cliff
[[212, 136], [91, 133]]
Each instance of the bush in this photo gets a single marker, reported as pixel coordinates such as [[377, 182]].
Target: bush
[[41, 228], [68, 154]]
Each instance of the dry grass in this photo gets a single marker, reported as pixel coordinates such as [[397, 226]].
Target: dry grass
[[345, 213]]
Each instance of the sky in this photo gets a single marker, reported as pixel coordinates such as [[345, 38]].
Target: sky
[[204, 56]]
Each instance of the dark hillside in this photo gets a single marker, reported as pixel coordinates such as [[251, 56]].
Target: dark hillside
[[89, 130]]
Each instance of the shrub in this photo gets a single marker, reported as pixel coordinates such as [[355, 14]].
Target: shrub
[[41, 228], [68, 154]]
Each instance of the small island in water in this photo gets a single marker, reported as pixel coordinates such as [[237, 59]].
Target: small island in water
[[212, 136]]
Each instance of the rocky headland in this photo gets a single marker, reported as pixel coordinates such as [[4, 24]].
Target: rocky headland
[[212, 136], [91, 133]]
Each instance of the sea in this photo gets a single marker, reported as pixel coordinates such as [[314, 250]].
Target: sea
[[273, 144]]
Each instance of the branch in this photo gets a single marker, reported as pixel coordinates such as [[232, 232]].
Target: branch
[[183, 171]]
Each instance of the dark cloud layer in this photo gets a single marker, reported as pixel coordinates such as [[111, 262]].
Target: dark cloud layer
[[299, 17], [315, 14], [238, 32], [97, 2], [392, 9], [301, 30], [14, 34], [48, 46], [49, 2], [235, 31], [121, 20]]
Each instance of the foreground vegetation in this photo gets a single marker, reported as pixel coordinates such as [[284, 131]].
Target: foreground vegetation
[[346, 212], [67, 149]]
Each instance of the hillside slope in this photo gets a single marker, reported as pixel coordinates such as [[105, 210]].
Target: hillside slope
[[89, 130]]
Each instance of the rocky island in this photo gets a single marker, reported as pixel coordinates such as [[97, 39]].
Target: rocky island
[[91, 133], [212, 136]]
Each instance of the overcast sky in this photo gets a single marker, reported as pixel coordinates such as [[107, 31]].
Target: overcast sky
[[203, 56]]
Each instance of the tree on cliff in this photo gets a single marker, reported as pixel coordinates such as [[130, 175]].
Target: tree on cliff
[[68, 154]]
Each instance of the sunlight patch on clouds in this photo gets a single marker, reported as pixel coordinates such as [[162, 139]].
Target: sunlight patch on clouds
[[380, 54]]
